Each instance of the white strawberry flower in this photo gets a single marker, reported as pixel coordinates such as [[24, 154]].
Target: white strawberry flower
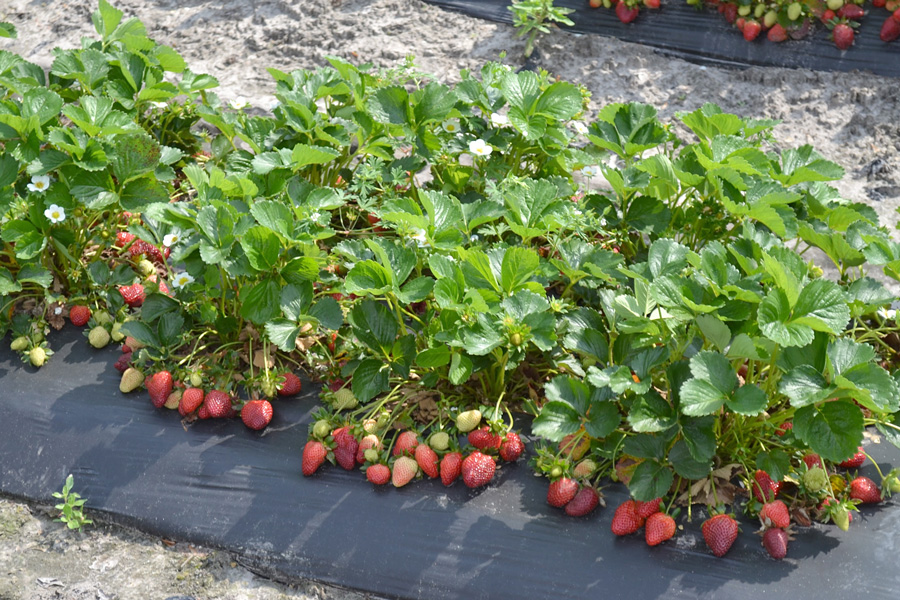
[[55, 214], [182, 279], [39, 183], [480, 148], [170, 239], [498, 120], [590, 171], [579, 127], [888, 314], [451, 125], [239, 103], [418, 236], [159, 105]]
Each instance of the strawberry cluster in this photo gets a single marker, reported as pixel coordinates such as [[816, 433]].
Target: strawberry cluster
[[626, 10]]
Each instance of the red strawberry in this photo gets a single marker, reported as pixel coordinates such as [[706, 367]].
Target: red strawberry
[[427, 459], [191, 400], [720, 532], [828, 15], [123, 362], [843, 35], [343, 437], [659, 528], [203, 413], [123, 238], [218, 404], [784, 428], [478, 469], [133, 294], [561, 492], [405, 468], [890, 29], [851, 11], [406, 443], [645, 509], [813, 460], [451, 466], [314, 454], [483, 439], [626, 520], [865, 490], [369, 442], [512, 447], [775, 541], [79, 315], [775, 514], [378, 474], [291, 385], [855, 461], [585, 501], [764, 489], [652, 4], [625, 13], [730, 10], [346, 457], [160, 386], [752, 29], [256, 414], [777, 33]]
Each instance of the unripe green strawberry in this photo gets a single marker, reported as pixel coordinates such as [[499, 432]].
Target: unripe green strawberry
[[102, 317], [322, 428], [516, 339], [892, 483], [744, 10], [98, 337], [116, 334], [19, 344], [344, 400], [834, 5], [132, 379], [371, 455], [268, 388], [174, 400], [841, 518], [770, 18], [556, 472], [794, 11], [468, 420], [759, 11], [815, 480], [440, 441], [585, 468], [196, 379], [383, 420], [146, 268], [37, 356]]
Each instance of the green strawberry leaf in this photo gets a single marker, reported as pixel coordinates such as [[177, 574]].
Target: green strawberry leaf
[[434, 357], [374, 325], [460, 368], [748, 400], [700, 437], [328, 312], [834, 430], [650, 480], [370, 379], [602, 419], [556, 421], [775, 463], [650, 413], [685, 465]]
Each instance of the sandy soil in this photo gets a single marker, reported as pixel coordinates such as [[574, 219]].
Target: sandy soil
[[852, 119]]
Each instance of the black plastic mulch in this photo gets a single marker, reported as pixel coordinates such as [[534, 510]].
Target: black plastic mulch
[[219, 484], [703, 36]]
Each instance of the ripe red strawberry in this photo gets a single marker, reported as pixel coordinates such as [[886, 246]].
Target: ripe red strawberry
[[764, 489], [775, 514], [645, 509], [865, 490], [851, 11], [191, 400], [828, 15], [585, 501], [775, 541], [291, 385], [652, 4], [855, 461], [625, 13], [752, 29], [626, 520], [478, 469], [813, 460], [133, 294], [123, 362], [218, 404], [257, 414], [79, 315], [659, 528], [890, 29], [730, 11], [406, 443], [427, 460], [561, 492], [777, 34], [512, 447], [483, 439], [123, 238], [451, 466], [314, 454], [160, 385], [720, 532], [343, 437], [405, 469], [843, 35], [378, 474], [784, 428], [346, 457], [203, 413]]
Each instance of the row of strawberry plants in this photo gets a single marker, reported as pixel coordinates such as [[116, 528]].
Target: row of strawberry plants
[[445, 257]]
